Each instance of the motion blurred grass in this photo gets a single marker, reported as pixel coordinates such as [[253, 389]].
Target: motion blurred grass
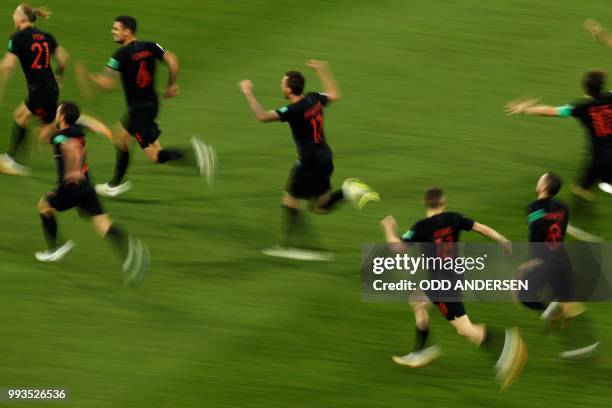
[[216, 323]]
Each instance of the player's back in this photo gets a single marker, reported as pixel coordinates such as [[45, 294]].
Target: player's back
[[443, 227], [596, 116], [305, 118], [137, 63], [438, 233], [34, 47], [547, 220]]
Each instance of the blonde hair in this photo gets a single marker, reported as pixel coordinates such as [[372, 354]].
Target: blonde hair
[[32, 12]]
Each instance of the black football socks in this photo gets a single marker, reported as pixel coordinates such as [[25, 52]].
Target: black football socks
[[17, 138], [169, 154], [121, 165], [119, 239], [50, 230], [420, 338], [336, 197]]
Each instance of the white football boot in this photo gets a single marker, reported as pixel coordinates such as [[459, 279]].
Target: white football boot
[[106, 190], [9, 166], [605, 187], [206, 158], [298, 254], [419, 358], [56, 254], [136, 264]]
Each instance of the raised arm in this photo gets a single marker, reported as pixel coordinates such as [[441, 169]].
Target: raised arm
[[330, 86], [530, 107], [389, 226], [105, 80], [493, 235], [95, 125], [246, 86], [598, 32], [171, 60]]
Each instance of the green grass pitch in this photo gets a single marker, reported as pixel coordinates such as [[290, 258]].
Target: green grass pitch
[[218, 324]]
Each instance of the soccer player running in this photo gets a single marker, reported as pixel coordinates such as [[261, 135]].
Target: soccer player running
[[310, 176], [549, 267], [74, 190], [441, 228], [136, 62], [33, 49], [604, 37], [595, 114]]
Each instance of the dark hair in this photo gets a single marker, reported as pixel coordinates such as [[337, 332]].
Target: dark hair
[[433, 197], [70, 111], [553, 183], [594, 82], [33, 12], [295, 82], [128, 22]]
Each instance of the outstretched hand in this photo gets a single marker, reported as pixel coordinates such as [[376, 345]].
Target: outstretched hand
[[592, 27], [316, 65], [519, 106]]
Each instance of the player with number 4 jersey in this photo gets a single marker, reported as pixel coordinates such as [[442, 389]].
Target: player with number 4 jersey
[[310, 176], [33, 49], [136, 63]]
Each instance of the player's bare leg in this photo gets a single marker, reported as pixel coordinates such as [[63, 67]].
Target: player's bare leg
[[115, 187], [475, 333], [582, 192], [321, 204], [133, 252], [8, 165], [327, 201], [152, 152]]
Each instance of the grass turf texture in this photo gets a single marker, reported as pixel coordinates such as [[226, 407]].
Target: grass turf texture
[[218, 324]]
